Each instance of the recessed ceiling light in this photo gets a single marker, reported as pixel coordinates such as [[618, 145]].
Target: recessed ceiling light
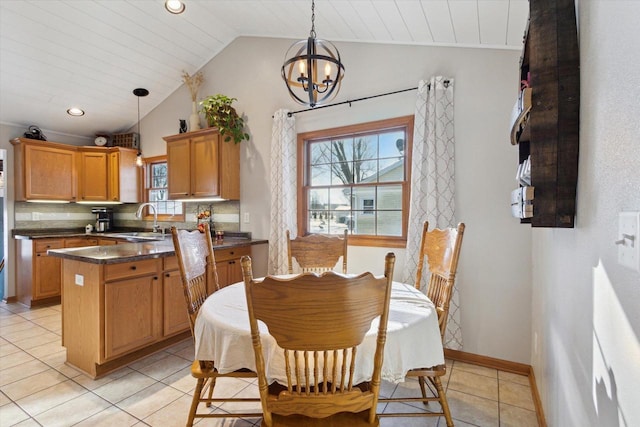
[[174, 6], [75, 111]]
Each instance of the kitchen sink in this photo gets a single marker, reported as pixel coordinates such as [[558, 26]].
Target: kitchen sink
[[139, 236]]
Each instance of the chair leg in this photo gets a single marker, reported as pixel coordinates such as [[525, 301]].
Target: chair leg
[[212, 384], [421, 381], [195, 401], [443, 400]]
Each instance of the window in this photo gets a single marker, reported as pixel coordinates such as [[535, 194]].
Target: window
[[156, 191], [356, 178]]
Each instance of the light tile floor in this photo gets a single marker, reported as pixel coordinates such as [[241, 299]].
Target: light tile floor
[[38, 389]]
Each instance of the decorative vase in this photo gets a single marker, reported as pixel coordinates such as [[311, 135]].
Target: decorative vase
[[194, 118]]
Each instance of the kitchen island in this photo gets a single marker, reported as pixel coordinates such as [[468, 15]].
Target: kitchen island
[[123, 302]]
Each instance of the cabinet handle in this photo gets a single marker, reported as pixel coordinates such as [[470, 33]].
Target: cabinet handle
[[232, 262], [133, 267], [37, 254], [167, 275], [231, 252], [155, 277]]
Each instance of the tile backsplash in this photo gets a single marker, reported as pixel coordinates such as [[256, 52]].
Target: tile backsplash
[[226, 216]]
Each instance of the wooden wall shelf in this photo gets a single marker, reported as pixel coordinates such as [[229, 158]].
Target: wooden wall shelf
[[550, 64]]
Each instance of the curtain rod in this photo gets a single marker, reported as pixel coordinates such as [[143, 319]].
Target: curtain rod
[[291, 113]]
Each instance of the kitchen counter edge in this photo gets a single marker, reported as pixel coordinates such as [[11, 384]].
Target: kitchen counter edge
[[127, 252]]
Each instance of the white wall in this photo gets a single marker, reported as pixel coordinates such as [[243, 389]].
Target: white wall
[[586, 307], [494, 276]]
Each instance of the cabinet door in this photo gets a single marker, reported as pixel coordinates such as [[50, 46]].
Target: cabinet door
[[178, 167], [49, 174], [204, 166], [78, 242], [114, 176], [132, 314], [47, 276], [92, 179], [229, 272], [124, 176], [176, 318]]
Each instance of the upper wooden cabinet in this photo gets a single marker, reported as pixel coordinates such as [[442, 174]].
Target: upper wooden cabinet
[[52, 171], [107, 174], [201, 165], [44, 170]]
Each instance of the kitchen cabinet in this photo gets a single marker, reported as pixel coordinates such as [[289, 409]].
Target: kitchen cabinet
[[201, 165], [547, 135], [44, 170], [38, 276], [228, 265], [115, 313], [176, 318], [108, 174], [132, 306]]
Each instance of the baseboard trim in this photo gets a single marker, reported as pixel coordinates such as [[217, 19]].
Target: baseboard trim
[[9, 300], [502, 365]]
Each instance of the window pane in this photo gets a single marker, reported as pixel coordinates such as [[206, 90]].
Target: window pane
[[392, 144], [366, 147], [156, 195], [320, 175], [389, 197], [389, 223], [366, 171], [318, 198], [392, 169], [341, 173], [342, 150], [339, 198], [320, 152]]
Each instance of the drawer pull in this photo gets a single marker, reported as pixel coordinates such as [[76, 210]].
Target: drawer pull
[[167, 275], [133, 267]]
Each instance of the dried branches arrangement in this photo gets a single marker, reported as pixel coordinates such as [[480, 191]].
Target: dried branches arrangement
[[193, 82]]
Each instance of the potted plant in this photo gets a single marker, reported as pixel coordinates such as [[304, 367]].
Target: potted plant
[[219, 113]]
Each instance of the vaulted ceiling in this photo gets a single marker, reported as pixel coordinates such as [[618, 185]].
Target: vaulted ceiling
[[92, 53]]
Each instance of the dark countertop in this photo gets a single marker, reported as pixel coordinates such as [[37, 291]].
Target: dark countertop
[[125, 252]]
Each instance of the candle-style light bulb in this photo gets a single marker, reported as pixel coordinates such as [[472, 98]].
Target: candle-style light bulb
[[327, 70], [302, 67]]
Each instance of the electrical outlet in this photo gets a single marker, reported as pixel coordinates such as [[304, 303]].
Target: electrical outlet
[[629, 240], [247, 217], [35, 216], [79, 280]]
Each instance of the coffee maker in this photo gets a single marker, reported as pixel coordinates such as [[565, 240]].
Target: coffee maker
[[104, 219]]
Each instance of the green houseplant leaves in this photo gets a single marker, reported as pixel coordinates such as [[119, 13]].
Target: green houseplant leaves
[[219, 113]]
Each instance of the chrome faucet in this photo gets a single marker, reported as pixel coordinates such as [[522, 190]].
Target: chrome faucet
[[156, 228]]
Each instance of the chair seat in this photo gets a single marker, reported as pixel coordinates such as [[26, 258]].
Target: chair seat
[[342, 419], [207, 369]]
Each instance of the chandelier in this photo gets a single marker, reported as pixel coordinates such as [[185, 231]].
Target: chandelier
[[313, 72]]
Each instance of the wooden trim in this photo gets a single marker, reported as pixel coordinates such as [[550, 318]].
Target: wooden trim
[[506, 366], [360, 128], [9, 300]]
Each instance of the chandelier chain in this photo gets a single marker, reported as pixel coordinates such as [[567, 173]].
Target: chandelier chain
[[313, 19]]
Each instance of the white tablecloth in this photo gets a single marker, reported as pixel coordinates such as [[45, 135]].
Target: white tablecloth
[[222, 334]]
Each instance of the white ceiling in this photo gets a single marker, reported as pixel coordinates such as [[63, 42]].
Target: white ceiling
[[92, 53]]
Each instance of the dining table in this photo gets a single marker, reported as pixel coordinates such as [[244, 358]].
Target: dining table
[[222, 334]]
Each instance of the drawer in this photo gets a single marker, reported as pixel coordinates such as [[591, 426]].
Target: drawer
[[170, 263], [79, 242], [45, 245], [130, 269], [231, 253]]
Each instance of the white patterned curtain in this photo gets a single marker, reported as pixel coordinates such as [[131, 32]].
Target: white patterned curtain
[[433, 183], [283, 189]]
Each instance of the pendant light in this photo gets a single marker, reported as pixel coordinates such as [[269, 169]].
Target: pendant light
[[313, 72], [139, 92]]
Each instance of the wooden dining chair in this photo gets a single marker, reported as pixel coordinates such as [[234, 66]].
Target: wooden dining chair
[[441, 249], [318, 321], [196, 260], [317, 252]]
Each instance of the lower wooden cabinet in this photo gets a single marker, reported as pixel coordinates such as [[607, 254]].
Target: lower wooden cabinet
[[113, 314], [176, 318], [37, 274], [133, 314], [228, 265]]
